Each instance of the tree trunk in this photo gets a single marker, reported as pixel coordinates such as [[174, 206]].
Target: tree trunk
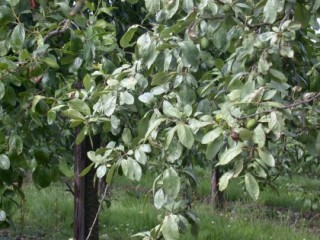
[[217, 197], [85, 193]]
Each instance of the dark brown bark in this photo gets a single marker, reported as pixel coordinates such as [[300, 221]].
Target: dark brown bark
[[79, 190], [85, 193], [217, 197], [91, 198]]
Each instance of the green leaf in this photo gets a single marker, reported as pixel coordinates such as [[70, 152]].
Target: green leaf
[[140, 156], [170, 110], [252, 186], [224, 180], [111, 174], [87, 82], [170, 227], [169, 137], [4, 162], [80, 106], [211, 136], [101, 171], [173, 8], [65, 169], [15, 143], [237, 168], [51, 117], [131, 169], [185, 135], [229, 155], [109, 104], [73, 114], [259, 136], [42, 176], [147, 98], [82, 134], [35, 101], [126, 38], [17, 37], [13, 3], [126, 98], [3, 216], [2, 90], [190, 54], [152, 5], [126, 136], [159, 199], [214, 147], [271, 9], [86, 170], [52, 62], [153, 126], [174, 151], [188, 6], [266, 157], [278, 75], [171, 183]]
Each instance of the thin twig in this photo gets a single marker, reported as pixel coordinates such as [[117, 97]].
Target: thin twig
[[69, 188], [97, 214], [280, 108]]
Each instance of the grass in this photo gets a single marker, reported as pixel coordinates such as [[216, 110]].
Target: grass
[[47, 214]]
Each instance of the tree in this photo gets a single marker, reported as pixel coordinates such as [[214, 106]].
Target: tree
[[219, 83]]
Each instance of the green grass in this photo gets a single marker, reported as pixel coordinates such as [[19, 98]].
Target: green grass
[[48, 213]]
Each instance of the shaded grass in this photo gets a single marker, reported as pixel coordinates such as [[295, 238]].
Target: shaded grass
[[48, 213]]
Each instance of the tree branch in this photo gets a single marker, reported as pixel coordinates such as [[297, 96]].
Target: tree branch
[[57, 31], [280, 108], [76, 8]]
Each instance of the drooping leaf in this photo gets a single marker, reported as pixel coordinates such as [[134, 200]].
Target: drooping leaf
[[185, 135], [126, 136], [152, 5], [229, 155], [153, 126], [109, 104], [73, 114], [4, 162], [190, 54], [131, 169], [140, 156], [126, 98], [170, 227], [266, 157], [171, 183], [101, 171], [211, 136], [159, 199], [277, 74], [224, 180], [127, 37], [170, 110], [17, 37], [259, 136], [3, 216], [80, 106], [214, 147], [2, 90], [252, 186], [147, 98]]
